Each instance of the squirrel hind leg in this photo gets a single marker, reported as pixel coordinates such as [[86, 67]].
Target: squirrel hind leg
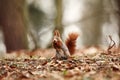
[[60, 55]]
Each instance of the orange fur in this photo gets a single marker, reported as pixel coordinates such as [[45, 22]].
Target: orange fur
[[57, 44], [71, 42]]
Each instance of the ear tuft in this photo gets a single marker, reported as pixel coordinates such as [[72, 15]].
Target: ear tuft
[[56, 33]]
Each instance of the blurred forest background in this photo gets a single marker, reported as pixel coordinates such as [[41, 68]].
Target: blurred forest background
[[29, 24]]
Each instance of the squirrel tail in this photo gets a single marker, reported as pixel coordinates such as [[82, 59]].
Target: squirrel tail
[[71, 42]]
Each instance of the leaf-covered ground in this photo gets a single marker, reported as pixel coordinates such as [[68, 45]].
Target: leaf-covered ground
[[100, 65]]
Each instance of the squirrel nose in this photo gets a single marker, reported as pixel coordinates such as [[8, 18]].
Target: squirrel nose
[[55, 40]]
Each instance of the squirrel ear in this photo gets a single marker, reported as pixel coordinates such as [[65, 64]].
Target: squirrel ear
[[56, 33]]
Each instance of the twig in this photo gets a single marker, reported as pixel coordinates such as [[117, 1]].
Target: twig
[[111, 45]]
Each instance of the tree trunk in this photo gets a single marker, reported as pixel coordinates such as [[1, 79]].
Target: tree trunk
[[12, 21], [58, 20], [91, 27], [118, 14]]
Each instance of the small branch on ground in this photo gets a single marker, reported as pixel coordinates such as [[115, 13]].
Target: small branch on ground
[[111, 44]]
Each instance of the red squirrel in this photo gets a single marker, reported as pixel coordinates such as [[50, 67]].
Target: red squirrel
[[64, 49]]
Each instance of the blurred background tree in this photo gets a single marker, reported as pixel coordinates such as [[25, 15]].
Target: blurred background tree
[[59, 11], [117, 3], [41, 22], [13, 23], [92, 22]]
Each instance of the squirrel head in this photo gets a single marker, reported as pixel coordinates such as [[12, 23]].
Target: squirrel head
[[57, 42]]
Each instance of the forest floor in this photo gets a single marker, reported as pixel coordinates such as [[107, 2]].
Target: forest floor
[[87, 64]]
